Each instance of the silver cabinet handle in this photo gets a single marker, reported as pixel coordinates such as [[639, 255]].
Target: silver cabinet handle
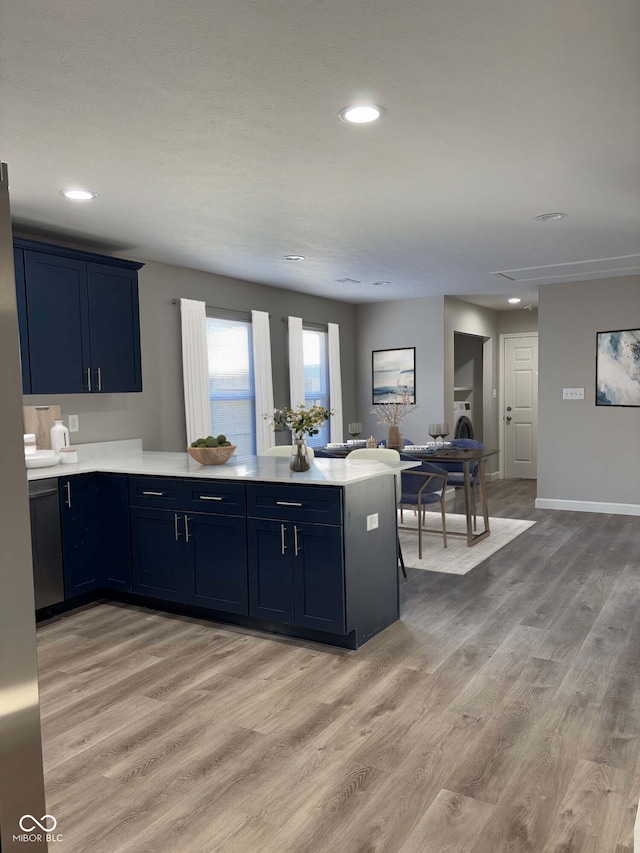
[[89, 378], [296, 547], [155, 494], [186, 527], [68, 489], [99, 379], [283, 531], [210, 498], [288, 503], [175, 526]]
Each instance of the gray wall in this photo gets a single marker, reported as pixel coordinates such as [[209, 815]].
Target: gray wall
[[415, 323], [157, 414], [517, 322], [586, 452]]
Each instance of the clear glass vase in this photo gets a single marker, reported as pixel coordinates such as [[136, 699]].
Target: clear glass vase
[[299, 455]]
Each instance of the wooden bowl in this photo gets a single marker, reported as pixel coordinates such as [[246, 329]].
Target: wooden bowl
[[212, 455]]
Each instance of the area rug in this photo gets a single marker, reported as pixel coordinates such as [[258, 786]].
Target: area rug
[[457, 558]]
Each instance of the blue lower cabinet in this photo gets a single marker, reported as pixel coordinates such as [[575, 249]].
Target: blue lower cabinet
[[80, 533], [217, 562], [318, 578], [115, 549], [296, 574], [270, 570], [158, 553]]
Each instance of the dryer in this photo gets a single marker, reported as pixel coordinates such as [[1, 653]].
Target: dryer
[[462, 419]]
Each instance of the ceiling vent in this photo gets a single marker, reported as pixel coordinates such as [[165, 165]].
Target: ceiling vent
[[348, 281], [574, 271]]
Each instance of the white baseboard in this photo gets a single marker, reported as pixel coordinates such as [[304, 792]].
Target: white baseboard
[[588, 506], [490, 478]]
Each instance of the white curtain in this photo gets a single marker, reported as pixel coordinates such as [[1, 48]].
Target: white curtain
[[335, 382], [263, 379], [296, 362], [195, 369]]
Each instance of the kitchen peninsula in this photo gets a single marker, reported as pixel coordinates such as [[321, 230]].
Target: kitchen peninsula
[[309, 555]]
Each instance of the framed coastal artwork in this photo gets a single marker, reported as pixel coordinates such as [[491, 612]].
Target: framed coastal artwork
[[394, 372], [618, 368]]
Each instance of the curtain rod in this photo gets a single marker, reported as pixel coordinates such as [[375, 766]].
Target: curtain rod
[[215, 307]]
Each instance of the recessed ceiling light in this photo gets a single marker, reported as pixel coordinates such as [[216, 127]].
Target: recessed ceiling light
[[514, 300], [293, 257], [361, 113], [376, 283], [78, 194], [550, 217]]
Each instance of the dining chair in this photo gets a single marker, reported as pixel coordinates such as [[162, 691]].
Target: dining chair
[[383, 442], [321, 453], [421, 487], [389, 456], [285, 450], [455, 471]]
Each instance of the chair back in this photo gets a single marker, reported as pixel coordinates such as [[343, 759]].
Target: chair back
[[285, 450], [321, 453], [463, 444], [412, 481], [379, 454], [383, 442]]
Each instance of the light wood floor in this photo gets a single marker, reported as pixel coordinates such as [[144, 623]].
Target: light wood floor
[[501, 714]]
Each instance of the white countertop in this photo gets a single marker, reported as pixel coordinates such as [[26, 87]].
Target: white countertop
[[272, 469]]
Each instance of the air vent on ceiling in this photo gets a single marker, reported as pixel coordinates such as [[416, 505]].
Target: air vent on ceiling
[[575, 271], [348, 281]]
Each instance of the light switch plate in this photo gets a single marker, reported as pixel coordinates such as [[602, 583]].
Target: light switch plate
[[372, 521], [573, 393], [74, 423]]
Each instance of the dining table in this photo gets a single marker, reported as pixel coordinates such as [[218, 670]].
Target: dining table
[[448, 452]]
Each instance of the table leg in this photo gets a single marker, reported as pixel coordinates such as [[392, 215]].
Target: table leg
[[483, 495], [466, 465]]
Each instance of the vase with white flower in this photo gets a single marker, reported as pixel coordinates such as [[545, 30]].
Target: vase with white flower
[[302, 421], [391, 414]]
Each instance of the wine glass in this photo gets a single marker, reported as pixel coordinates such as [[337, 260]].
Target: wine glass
[[443, 432], [355, 429], [434, 431]]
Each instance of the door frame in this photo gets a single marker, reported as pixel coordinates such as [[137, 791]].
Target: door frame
[[503, 338]]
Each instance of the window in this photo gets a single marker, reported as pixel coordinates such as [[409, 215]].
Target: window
[[231, 385], [316, 377]]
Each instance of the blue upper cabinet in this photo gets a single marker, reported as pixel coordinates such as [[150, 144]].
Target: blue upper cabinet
[[79, 321]]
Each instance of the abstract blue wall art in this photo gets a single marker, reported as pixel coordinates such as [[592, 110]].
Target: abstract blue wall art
[[618, 368], [394, 374]]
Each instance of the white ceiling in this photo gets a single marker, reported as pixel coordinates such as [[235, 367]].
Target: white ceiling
[[210, 132]]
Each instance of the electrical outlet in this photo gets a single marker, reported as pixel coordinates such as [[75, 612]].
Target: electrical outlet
[[74, 423], [573, 393]]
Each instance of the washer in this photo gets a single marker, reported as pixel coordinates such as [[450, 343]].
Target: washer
[[462, 419]]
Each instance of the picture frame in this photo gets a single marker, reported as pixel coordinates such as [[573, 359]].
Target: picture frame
[[392, 370], [618, 368]]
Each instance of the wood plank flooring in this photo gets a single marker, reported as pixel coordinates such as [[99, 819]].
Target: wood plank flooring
[[502, 713]]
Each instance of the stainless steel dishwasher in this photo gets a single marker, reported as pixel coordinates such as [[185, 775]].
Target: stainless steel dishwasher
[[46, 542]]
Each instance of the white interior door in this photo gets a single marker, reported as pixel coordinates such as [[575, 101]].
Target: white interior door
[[520, 402]]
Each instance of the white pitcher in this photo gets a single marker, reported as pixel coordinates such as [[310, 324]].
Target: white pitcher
[[59, 436]]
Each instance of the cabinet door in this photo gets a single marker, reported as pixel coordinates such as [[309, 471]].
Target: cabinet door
[[114, 328], [217, 562], [270, 570], [318, 577], [158, 554], [21, 299], [58, 323], [115, 555], [80, 533]]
